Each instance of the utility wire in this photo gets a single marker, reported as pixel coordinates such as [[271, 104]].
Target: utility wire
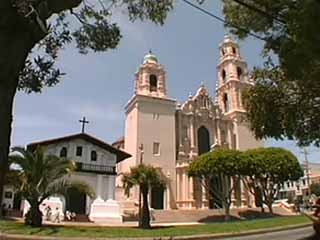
[[261, 12], [223, 20]]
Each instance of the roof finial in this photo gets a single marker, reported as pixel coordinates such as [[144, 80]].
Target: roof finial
[[150, 58]]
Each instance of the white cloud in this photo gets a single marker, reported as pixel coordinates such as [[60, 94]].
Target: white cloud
[[35, 121]]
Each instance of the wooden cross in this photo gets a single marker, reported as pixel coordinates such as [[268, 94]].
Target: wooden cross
[[84, 122]]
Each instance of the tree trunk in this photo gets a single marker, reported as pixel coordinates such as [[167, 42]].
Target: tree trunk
[[34, 216], [269, 204], [145, 223], [14, 47], [227, 213]]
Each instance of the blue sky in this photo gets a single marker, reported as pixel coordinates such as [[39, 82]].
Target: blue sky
[[99, 85]]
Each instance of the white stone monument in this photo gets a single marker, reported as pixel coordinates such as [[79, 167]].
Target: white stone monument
[[106, 211], [55, 204]]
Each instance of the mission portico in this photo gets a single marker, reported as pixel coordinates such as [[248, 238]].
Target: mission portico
[[168, 135]]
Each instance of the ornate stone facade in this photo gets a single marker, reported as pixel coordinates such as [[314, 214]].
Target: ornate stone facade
[[173, 135]]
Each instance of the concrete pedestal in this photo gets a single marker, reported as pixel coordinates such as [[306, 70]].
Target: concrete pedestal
[[105, 211]]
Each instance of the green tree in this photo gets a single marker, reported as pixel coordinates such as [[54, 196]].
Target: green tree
[[146, 177], [267, 168], [315, 189], [222, 165], [41, 176], [284, 102], [32, 32]]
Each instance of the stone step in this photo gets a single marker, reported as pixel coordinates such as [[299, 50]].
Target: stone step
[[213, 215]]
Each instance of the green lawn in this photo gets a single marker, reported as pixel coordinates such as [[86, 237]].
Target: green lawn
[[72, 231]]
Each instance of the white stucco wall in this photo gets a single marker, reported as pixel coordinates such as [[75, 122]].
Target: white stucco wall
[[156, 123], [104, 189], [246, 139], [104, 157]]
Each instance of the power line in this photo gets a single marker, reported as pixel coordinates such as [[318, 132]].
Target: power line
[[223, 20], [264, 13]]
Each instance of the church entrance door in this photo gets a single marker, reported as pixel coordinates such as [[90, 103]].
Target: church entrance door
[[76, 201], [157, 195], [203, 147], [203, 140]]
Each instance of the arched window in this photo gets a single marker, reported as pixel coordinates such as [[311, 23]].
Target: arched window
[[223, 75], [63, 152], [234, 51], [153, 83], [222, 51], [226, 103], [94, 156], [239, 72]]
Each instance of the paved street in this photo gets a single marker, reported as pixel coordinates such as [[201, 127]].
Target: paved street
[[298, 234]]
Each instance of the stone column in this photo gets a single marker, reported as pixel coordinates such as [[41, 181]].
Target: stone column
[[187, 187], [191, 188], [111, 187], [192, 140], [181, 139], [183, 186], [167, 191], [219, 140], [236, 131], [178, 183], [100, 186]]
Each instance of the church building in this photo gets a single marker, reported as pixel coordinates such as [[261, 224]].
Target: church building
[[168, 135], [95, 165]]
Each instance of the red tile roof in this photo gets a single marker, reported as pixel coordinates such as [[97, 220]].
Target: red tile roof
[[121, 155]]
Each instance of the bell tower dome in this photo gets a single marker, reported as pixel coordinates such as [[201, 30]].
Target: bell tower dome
[[232, 77], [151, 78]]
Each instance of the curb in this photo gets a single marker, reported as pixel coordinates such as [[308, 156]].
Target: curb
[[192, 237]]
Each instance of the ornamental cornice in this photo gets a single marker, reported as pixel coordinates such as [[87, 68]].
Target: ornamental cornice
[[232, 59]]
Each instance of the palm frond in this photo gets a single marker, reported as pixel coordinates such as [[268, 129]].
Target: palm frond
[[142, 175], [62, 186], [43, 175]]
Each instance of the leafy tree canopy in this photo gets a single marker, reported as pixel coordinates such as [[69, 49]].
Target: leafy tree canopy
[[285, 101], [222, 161], [41, 176], [315, 189], [215, 170], [56, 23], [267, 169], [143, 175], [32, 32], [276, 164]]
